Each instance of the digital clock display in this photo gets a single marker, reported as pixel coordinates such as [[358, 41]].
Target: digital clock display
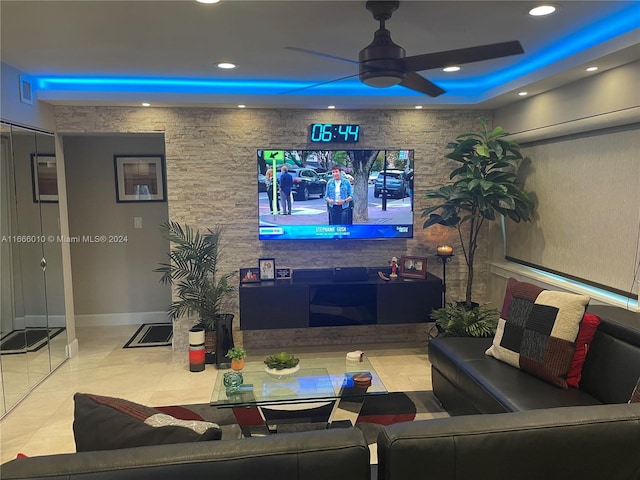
[[334, 133]]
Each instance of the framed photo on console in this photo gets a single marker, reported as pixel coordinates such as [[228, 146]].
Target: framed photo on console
[[283, 274], [249, 275], [413, 267], [267, 268]]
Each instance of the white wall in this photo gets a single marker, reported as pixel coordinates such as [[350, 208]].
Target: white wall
[[113, 282]]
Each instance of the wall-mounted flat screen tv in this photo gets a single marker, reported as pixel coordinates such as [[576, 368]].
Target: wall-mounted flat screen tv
[[380, 185]]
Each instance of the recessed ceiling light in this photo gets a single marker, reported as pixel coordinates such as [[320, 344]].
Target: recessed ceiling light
[[451, 69], [331, 107], [242, 106], [591, 69], [418, 107], [226, 65], [542, 10], [523, 94], [207, 1], [145, 104]]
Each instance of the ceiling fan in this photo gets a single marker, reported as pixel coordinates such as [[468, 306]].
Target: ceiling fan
[[384, 64]]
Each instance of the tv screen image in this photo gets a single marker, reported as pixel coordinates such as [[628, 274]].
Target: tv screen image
[[380, 183]]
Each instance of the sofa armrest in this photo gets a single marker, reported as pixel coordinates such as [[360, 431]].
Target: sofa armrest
[[313, 455], [587, 442]]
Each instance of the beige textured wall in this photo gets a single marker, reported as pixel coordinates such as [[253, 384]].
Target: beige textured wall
[[211, 165]]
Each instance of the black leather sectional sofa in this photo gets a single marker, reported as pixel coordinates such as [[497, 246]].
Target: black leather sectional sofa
[[547, 432]]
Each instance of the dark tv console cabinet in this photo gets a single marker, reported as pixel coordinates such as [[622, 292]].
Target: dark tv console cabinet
[[313, 299]]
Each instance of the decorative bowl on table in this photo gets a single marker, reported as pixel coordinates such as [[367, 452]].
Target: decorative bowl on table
[[283, 372], [281, 365]]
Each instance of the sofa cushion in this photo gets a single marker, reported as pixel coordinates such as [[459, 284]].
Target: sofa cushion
[[587, 331], [539, 333], [107, 423]]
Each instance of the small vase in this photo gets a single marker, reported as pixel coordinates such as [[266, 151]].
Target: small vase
[[237, 364], [232, 381]]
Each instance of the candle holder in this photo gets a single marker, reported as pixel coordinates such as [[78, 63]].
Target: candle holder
[[444, 254]]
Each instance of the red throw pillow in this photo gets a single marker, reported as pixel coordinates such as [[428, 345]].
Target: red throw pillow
[[588, 328]]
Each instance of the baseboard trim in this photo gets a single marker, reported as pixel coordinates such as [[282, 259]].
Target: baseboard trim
[[109, 319]]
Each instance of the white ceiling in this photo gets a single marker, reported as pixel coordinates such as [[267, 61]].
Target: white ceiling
[[183, 40]]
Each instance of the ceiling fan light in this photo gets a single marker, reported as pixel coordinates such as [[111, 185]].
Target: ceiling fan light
[[382, 81]]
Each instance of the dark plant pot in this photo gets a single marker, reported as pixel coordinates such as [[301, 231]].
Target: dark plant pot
[[463, 304], [210, 358], [224, 340]]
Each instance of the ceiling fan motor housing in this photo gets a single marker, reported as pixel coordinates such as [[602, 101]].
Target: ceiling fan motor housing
[[381, 62]]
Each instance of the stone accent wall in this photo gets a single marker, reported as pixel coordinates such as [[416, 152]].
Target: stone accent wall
[[211, 178]]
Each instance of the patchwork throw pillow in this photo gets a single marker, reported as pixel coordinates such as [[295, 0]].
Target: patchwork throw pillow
[[107, 423], [539, 332], [588, 328], [635, 395]]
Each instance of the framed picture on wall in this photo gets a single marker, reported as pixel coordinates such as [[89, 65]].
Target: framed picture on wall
[[413, 267], [44, 178], [249, 275], [140, 178], [267, 268]]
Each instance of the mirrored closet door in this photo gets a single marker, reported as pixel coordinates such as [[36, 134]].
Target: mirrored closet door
[[32, 315]]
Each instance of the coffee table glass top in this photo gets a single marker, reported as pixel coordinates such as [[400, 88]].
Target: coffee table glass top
[[318, 379]]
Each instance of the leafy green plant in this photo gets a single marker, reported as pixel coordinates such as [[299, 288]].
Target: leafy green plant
[[456, 320], [193, 269], [236, 353], [484, 185], [281, 361]]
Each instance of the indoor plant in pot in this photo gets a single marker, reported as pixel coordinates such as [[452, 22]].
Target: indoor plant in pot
[[193, 270], [237, 356], [484, 186]]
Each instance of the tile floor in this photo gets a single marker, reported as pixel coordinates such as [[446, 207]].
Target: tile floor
[[42, 423]]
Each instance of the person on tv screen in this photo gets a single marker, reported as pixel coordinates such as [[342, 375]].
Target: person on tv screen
[[338, 196], [269, 183], [286, 183]]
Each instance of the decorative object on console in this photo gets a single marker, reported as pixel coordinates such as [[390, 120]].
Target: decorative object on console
[[107, 423], [193, 268], [539, 333], [237, 356], [283, 273], [267, 268], [394, 268], [485, 185], [413, 267], [456, 320], [249, 275]]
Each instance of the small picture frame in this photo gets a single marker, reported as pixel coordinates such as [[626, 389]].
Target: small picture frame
[[267, 268], [249, 275], [413, 267], [140, 178], [44, 178], [283, 273]]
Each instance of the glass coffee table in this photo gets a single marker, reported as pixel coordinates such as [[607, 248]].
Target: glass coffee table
[[322, 390]]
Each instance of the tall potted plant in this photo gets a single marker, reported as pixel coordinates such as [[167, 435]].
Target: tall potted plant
[[484, 185], [193, 269]]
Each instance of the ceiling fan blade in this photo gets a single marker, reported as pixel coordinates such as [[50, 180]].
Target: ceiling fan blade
[[421, 84], [318, 84], [461, 56], [320, 54]]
